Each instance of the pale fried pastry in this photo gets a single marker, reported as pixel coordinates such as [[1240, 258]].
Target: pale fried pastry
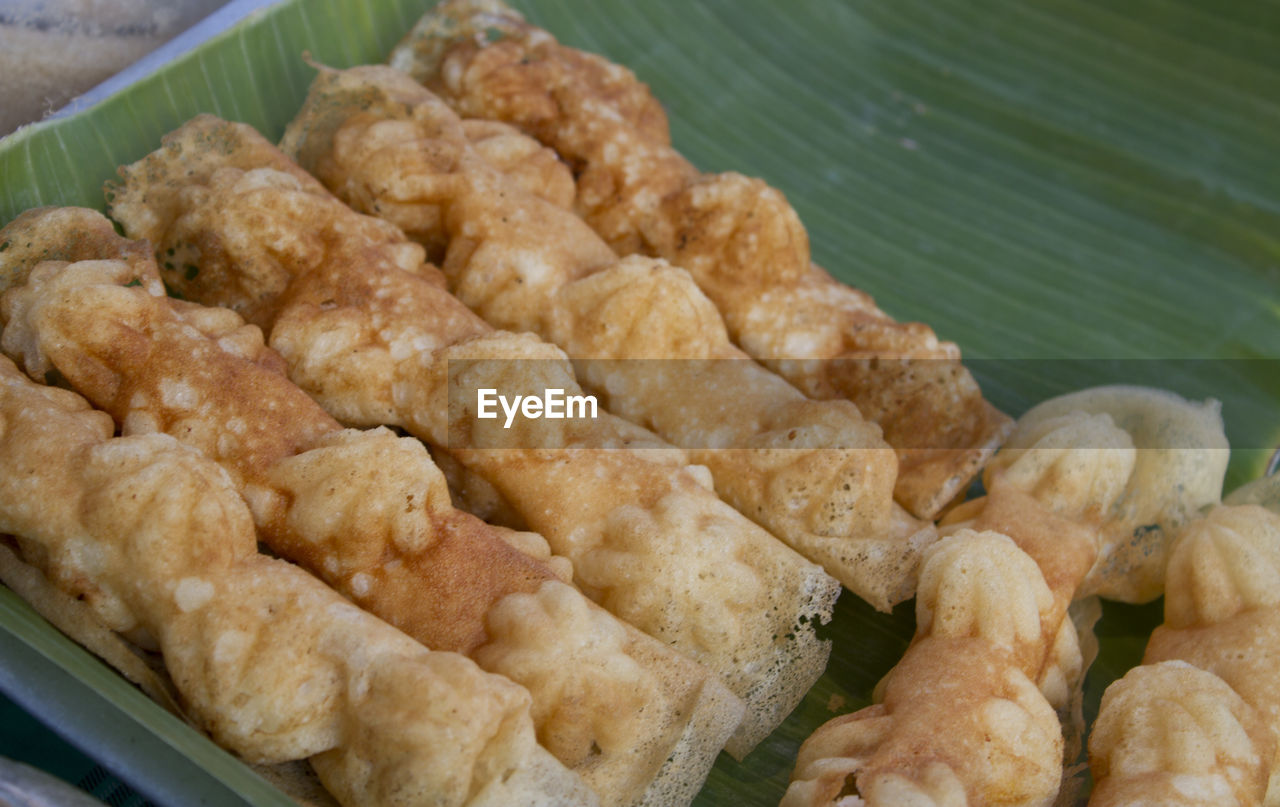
[[1048, 498], [369, 513], [1131, 463], [272, 663], [1070, 489], [961, 721], [1222, 609], [743, 244], [372, 339], [644, 339], [1172, 735]]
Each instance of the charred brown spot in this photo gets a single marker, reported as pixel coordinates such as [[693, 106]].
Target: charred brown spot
[[850, 787]]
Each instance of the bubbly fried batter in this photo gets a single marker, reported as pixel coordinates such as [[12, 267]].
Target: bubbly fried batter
[[373, 339], [1222, 609], [544, 81], [1172, 735], [528, 164], [1048, 497], [1131, 463], [1070, 489], [740, 240], [135, 355], [272, 663], [644, 339], [961, 722], [369, 513]]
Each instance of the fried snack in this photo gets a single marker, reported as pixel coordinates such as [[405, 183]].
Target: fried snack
[[1222, 609], [1073, 492], [961, 721], [1172, 735], [1130, 464], [272, 663], [739, 239], [524, 162], [77, 620], [533, 167], [645, 340], [364, 329], [1048, 498], [369, 513]]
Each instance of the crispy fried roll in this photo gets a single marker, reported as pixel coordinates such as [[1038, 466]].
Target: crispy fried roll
[[1222, 609], [650, 344], [272, 663], [739, 239], [961, 721], [363, 327], [1073, 491], [1172, 735], [368, 512], [1129, 463]]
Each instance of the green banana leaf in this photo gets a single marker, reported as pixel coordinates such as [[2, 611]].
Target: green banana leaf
[[1075, 191]]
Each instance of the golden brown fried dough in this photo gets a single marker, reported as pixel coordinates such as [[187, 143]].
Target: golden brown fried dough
[[961, 722], [372, 338], [1073, 492], [740, 240], [272, 663], [1048, 499], [533, 167], [644, 339], [371, 515], [1131, 463]]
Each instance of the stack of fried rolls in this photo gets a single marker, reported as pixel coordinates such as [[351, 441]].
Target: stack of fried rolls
[[366, 511], [275, 665], [367, 329], [739, 239], [645, 339]]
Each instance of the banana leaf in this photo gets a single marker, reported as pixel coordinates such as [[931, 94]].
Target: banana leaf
[[1076, 192]]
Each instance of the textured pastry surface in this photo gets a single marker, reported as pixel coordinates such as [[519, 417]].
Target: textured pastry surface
[[369, 513], [740, 239], [960, 721], [644, 338], [1127, 464], [365, 328], [271, 662], [1172, 734], [1222, 609]]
